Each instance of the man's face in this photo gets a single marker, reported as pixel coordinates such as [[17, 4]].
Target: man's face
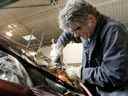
[[85, 29]]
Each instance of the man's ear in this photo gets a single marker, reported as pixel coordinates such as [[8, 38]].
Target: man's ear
[[91, 19]]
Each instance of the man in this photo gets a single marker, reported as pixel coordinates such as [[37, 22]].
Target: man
[[105, 47]]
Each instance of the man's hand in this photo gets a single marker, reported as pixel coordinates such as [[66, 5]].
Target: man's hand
[[72, 73]]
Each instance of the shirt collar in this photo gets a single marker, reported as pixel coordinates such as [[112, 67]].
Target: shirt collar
[[99, 26]]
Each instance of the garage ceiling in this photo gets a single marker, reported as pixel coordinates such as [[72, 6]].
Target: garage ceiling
[[39, 17]]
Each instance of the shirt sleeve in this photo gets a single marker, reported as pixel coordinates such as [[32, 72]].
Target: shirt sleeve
[[66, 37], [112, 71]]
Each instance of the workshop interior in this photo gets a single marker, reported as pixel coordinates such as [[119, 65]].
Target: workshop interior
[[27, 31]]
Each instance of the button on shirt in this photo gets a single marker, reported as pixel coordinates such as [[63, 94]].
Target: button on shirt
[[86, 52]]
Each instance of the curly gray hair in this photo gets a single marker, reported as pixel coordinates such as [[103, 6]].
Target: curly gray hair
[[75, 11]]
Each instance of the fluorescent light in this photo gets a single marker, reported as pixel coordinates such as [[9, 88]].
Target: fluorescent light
[[9, 34], [11, 26], [29, 37]]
